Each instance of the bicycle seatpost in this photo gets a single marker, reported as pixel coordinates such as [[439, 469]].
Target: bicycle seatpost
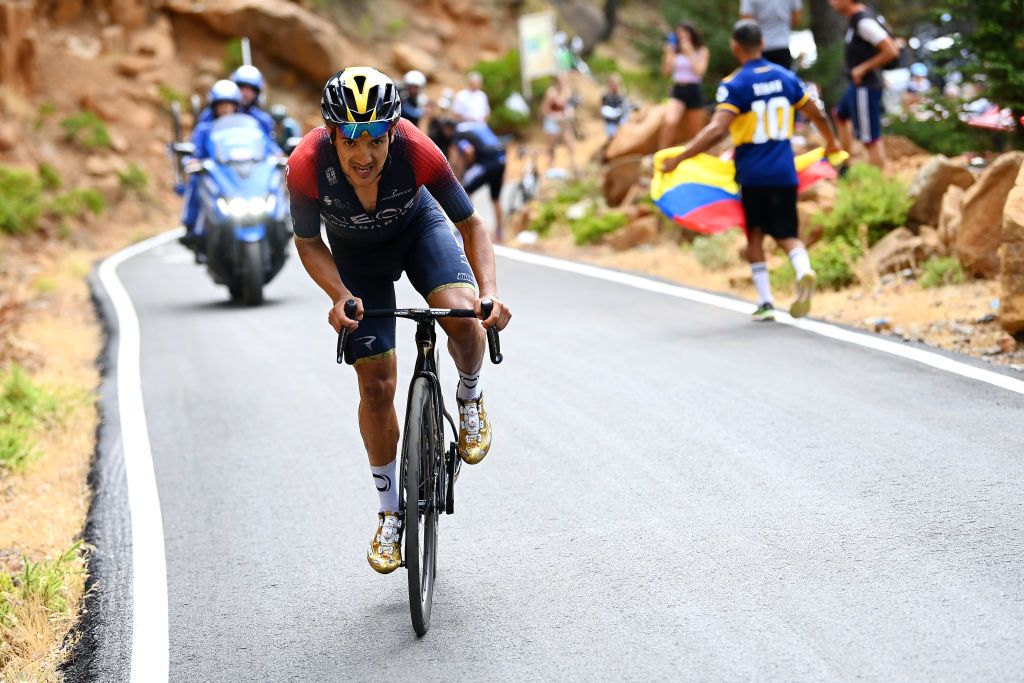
[[350, 312], [493, 343]]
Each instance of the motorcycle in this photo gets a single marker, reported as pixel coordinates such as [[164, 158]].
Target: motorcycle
[[244, 224]]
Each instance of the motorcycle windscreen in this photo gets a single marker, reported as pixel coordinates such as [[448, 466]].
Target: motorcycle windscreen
[[238, 139]]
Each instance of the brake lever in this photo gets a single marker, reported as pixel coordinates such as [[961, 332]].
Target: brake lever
[[350, 312], [493, 343]]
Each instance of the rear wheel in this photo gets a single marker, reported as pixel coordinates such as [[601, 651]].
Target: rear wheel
[[251, 285], [420, 456]]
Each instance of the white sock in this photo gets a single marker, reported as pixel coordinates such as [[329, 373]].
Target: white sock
[[801, 262], [761, 281], [387, 485], [469, 385]]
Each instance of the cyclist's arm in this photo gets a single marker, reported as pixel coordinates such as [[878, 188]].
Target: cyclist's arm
[[811, 108], [707, 138], [480, 254]]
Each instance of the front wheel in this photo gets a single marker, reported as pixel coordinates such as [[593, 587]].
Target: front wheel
[[250, 288], [420, 456]]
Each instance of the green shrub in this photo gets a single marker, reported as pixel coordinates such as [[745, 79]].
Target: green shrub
[[23, 406], [590, 229], [504, 121], [712, 251], [232, 57], [546, 216], [936, 272], [170, 95], [134, 179], [76, 203], [49, 177], [576, 190], [833, 262], [865, 197], [502, 78], [43, 583], [86, 129], [20, 200], [16, 449]]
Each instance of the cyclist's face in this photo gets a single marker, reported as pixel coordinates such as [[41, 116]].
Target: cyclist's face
[[362, 160]]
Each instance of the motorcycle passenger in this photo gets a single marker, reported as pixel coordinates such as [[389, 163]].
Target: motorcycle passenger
[[412, 93]]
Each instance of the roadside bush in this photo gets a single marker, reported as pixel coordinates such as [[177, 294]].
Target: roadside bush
[[23, 406], [590, 229], [865, 197], [134, 179], [546, 216], [937, 272], [45, 587], [49, 177], [833, 262], [576, 190], [501, 79], [76, 203], [20, 200], [712, 251], [87, 130]]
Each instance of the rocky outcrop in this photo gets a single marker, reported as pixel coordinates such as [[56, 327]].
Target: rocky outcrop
[[583, 19], [902, 249], [284, 30], [1011, 309], [619, 177], [643, 230], [408, 57], [18, 47], [130, 14], [640, 134], [950, 212], [977, 242], [931, 183]]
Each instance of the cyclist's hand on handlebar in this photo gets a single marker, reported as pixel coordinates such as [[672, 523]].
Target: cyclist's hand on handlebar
[[500, 313], [337, 318]]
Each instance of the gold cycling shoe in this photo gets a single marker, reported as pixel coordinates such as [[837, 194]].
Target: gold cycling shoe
[[474, 430], [385, 552]]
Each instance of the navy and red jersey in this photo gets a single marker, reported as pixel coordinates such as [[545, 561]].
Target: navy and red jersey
[[319, 189]]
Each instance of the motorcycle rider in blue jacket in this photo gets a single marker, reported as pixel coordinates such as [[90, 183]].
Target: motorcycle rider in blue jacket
[[250, 82]]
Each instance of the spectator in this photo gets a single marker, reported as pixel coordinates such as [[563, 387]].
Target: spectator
[[557, 110], [868, 47], [614, 108], [471, 104], [686, 61], [412, 95], [776, 19]]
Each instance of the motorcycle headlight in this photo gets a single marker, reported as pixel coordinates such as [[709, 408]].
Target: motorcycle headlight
[[256, 206], [271, 203]]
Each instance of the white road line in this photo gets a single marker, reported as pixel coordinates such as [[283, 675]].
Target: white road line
[[149, 661], [868, 341]]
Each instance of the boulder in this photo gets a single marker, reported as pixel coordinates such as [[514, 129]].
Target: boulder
[[1011, 302], [898, 250], [128, 13], [284, 30], [640, 134], [18, 45], [9, 137], [156, 41], [1013, 212], [930, 184], [980, 234], [408, 57], [950, 213], [620, 176], [130, 66], [633, 234], [583, 19]]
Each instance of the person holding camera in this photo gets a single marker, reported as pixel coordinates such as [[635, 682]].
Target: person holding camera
[[686, 61]]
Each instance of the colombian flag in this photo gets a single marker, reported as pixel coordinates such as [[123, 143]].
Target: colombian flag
[[701, 194]]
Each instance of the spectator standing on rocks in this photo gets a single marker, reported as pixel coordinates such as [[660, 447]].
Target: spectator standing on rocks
[[557, 108], [776, 19], [686, 61], [614, 106], [868, 47], [471, 104]]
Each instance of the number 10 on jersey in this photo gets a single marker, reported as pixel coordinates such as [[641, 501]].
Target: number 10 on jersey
[[774, 118]]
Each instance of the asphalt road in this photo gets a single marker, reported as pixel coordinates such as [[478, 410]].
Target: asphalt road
[[673, 492]]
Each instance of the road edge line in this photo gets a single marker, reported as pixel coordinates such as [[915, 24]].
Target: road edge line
[[862, 339], [150, 643]]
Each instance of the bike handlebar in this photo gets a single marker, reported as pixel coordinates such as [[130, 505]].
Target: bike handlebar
[[421, 315]]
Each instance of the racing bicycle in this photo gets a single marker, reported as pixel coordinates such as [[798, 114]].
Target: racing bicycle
[[429, 465]]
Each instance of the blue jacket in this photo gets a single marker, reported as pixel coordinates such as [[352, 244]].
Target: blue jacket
[[266, 122], [204, 150]]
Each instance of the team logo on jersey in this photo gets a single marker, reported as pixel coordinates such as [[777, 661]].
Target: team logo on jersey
[[327, 200], [397, 193], [368, 341], [332, 176], [722, 94], [465, 277]]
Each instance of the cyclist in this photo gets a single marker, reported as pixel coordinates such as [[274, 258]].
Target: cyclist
[[250, 83], [756, 103], [366, 174]]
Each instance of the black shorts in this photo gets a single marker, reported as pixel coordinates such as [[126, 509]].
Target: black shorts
[[772, 210], [689, 94], [783, 57], [427, 251], [492, 173]]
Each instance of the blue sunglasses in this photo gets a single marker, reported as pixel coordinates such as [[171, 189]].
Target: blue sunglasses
[[374, 129]]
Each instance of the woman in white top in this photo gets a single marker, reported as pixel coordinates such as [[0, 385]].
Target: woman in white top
[[686, 61]]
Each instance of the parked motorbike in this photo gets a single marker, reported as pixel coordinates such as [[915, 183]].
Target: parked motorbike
[[244, 224]]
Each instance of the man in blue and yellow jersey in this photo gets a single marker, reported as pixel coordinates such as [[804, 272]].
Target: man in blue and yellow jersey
[[756, 104]]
